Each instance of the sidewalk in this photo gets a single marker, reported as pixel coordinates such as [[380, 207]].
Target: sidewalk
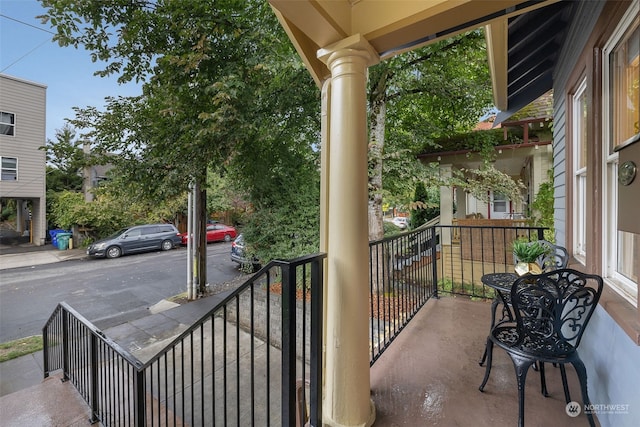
[[27, 255]]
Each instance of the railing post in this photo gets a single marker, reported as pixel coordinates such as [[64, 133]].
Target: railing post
[[45, 350], [540, 233], [139, 399], [434, 261], [288, 345], [94, 379], [65, 345], [317, 302]]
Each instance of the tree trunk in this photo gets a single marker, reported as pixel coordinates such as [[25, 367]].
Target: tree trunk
[[376, 150], [381, 276], [202, 239]]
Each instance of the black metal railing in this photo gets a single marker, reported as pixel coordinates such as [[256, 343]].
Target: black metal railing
[[409, 268], [402, 279], [254, 359], [467, 252]]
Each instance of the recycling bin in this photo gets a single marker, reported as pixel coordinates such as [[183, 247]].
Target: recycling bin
[[63, 240], [54, 236]]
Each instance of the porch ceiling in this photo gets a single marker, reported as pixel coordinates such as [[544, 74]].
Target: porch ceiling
[[534, 43], [392, 27]]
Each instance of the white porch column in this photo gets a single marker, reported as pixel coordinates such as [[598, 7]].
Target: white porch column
[[446, 205], [345, 234], [461, 204]]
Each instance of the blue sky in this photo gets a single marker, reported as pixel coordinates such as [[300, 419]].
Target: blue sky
[[28, 53]]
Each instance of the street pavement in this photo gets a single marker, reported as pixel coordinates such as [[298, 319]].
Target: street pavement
[[137, 336]]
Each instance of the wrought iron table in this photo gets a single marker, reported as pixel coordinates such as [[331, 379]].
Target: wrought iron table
[[501, 283]]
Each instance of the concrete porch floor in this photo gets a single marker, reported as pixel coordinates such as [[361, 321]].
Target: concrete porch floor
[[430, 376]]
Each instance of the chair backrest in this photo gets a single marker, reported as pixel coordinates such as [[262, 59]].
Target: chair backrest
[[553, 309], [554, 258]]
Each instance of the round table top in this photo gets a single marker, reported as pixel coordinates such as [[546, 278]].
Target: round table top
[[499, 281]]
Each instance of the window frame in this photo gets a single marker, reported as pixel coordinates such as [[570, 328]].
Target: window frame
[[3, 168], [579, 170], [625, 287], [11, 125]]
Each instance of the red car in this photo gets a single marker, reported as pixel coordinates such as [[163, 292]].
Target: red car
[[215, 233]]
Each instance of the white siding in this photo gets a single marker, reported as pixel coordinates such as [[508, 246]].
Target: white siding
[[27, 101]]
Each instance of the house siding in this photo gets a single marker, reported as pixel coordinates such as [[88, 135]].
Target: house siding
[[608, 350], [27, 100]]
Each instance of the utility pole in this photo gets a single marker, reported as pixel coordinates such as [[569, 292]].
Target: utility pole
[[196, 242]]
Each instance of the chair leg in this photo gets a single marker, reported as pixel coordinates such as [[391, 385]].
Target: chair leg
[[543, 379], [565, 385], [521, 366], [487, 371], [582, 377]]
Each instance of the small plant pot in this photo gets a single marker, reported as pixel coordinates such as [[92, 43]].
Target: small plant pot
[[523, 268]]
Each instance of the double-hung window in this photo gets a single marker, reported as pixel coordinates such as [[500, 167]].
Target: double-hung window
[[8, 169], [7, 124], [621, 123], [579, 161]]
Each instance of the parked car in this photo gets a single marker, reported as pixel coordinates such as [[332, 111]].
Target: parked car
[[239, 255], [215, 233], [139, 238], [400, 221]]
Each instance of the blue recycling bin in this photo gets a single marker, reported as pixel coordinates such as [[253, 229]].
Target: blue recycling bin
[[54, 236], [63, 240]]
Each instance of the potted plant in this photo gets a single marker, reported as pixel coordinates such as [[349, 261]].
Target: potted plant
[[526, 255]]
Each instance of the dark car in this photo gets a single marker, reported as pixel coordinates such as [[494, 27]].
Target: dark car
[[215, 233], [238, 255], [139, 238]]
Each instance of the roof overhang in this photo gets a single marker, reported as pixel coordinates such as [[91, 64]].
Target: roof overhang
[[395, 26], [523, 52]]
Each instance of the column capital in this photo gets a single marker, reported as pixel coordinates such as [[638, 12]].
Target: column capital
[[355, 45]]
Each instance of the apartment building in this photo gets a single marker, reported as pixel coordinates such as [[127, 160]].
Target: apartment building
[[23, 164]]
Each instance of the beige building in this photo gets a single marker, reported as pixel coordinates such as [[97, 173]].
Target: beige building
[[22, 132]]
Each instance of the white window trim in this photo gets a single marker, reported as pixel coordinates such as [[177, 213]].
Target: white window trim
[[1, 168], [8, 124], [619, 283], [579, 215]]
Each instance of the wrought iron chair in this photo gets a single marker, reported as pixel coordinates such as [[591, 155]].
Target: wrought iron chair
[[555, 257], [551, 312]]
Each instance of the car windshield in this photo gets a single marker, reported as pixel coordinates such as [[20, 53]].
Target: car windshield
[[117, 233]]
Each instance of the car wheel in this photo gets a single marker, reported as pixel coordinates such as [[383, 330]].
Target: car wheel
[[114, 252], [227, 238], [167, 245]]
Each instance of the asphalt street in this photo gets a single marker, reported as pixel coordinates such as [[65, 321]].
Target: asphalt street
[[108, 292]]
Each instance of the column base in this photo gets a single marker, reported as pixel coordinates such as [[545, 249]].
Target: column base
[[326, 422]]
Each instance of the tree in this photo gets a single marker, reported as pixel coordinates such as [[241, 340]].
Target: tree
[[414, 99], [65, 160], [193, 57], [426, 205], [220, 80]]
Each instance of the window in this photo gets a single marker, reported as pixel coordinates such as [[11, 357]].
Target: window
[[622, 122], [579, 162], [9, 166], [7, 123]]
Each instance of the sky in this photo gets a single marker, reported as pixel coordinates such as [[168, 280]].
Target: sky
[[27, 52]]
